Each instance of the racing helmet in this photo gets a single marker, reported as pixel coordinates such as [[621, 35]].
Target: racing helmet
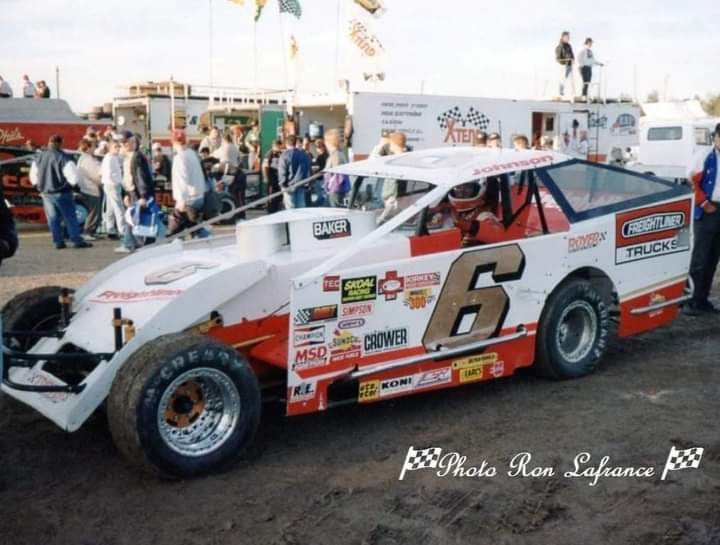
[[466, 197]]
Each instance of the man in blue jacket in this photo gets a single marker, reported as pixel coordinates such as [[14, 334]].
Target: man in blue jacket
[[706, 251], [54, 173], [294, 165]]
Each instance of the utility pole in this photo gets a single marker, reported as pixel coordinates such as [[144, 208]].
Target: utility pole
[[57, 81], [210, 41]]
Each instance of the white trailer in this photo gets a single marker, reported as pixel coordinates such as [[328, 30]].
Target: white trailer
[[590, 131]]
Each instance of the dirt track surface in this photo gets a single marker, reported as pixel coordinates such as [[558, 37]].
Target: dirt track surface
[[332, 478]]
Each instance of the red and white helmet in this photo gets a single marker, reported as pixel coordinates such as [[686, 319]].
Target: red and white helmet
[[469, 196]]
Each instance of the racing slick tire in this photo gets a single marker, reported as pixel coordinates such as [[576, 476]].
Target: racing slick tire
[[37, 309], [573, 331], [183, 405]]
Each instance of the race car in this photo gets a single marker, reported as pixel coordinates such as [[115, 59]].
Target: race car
[[181, 343]]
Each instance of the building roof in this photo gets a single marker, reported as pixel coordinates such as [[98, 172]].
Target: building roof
[[450, 166], [30, 110]]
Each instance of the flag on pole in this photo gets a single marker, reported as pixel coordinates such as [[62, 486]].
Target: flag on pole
[[294, 48], [238, 2], [259, 5], [291, 6], [374, 7], [682, 459], [419, 459]]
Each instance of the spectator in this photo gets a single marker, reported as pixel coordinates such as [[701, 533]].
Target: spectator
[[208, 163], [5, 89], [253, 158], [8, 234], [89, 181], [546, 143], [188, 185], [161, 162], [293, 166], [565, 58], [307, 147], [112, 182], [253, 135], [54, 174], [390, 191], [481, 139], [494, 140], [336, 185], [586, 60], [138, 181], [42, 91], [28, 88], [270, 172], [392, 144], [705, 177], [227, 155], [521, 142], [321, 158], [212, 141]]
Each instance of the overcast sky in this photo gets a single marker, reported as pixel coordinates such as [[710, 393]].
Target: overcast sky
[[462, 47]]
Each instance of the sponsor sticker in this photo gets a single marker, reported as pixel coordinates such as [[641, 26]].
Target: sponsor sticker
[[433, 378], [418, 299], [388, 339], [359, 289], [331, 283], [316, 314], [357, 309], [377, 389], [497, 369], [351, 323], [654, 248], [302, 392], [329, 229], [345, 346], [391, 285], [369, 390], [654, 223], [423, 280], [586, 242], [473, 368], [111, 296], [471, 374], [307, 336], [309, 357]]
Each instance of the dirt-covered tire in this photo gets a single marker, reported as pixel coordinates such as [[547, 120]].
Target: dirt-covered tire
[[37, 309], [573, 331], [184, 405]]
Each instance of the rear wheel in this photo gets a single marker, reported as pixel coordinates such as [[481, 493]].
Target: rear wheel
[[227, 203], [573, 331], [184, 405], [37, 309]]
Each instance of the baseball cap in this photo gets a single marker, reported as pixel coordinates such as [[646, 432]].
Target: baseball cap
[[717, 129]]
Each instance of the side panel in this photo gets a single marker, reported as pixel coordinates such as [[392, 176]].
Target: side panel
[[358, 318]]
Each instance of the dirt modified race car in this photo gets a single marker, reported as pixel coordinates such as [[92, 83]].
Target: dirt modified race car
[[183, 342]]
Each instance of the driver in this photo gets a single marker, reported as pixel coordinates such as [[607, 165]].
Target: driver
[[472, 208]]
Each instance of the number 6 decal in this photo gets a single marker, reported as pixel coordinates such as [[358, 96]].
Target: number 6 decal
[[466, 312]]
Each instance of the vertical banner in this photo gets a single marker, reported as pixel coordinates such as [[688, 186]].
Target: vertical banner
[[367, 53]]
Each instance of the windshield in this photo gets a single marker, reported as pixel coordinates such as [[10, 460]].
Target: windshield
[[386, 197], [587, 189]]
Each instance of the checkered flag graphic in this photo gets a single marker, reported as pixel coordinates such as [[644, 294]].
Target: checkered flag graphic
[[682, 459], [291, 6], [473, 118], [303, 316], [420, 459]]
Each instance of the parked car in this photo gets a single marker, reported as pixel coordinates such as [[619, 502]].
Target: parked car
[[182, 342]]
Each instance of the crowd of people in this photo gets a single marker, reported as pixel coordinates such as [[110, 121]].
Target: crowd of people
[[29, 89]]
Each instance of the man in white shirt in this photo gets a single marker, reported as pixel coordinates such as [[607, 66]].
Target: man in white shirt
[[188, 185], [586, 61], [54, 173], [28, 88], [228, 155], [112, 181]]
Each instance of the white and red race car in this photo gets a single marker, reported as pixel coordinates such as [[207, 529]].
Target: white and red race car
[[316, 307]]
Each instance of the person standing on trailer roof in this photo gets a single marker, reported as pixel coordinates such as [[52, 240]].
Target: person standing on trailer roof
[[28, 88], [586, 61], [5, 89], [566, 59], [705, 177]]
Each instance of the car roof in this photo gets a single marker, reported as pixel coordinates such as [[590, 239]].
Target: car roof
[[450, 166]]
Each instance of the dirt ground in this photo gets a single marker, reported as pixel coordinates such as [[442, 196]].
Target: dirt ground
[[332, 478]]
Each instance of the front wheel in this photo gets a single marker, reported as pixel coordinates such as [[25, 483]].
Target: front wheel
[[573, 331], [184, 405]]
